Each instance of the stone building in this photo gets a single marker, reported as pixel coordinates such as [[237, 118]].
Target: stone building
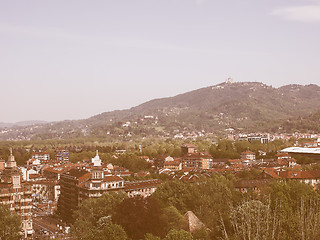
[[17, 194]]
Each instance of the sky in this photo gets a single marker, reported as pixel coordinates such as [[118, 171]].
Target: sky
[[72, 59]]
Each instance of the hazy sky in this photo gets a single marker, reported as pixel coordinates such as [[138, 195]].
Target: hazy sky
[[71, 59]]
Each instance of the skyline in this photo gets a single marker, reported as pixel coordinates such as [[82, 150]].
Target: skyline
[[72, 60]]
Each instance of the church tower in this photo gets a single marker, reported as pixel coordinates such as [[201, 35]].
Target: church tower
[[11, 173]]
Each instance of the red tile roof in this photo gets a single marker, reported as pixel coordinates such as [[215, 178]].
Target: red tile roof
[[112, 178], [142, 184]]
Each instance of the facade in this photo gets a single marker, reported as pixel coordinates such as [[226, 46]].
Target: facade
[[142, 188], [2, 165], [158, 162], [69, 192], [45, 190], [248, 155], [62, 155], [173, 164], [44, 157], [311, 177], [188, 148], [17, 194], [197, 160], [251, 185], [78, 184]]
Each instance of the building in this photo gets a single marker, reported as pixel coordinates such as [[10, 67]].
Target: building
[[173, 164], [70, 192], [197, 160], [45, 190], [2, 164], [313, 153], [159, 161], [62, 155], [311, 177], [43, 157], [142, 188], [188, 148], [248, 155], [254, 185], [17, 194], [79, 184]]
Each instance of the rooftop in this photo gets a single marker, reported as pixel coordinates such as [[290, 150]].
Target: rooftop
[[301, 150], [77, 172]]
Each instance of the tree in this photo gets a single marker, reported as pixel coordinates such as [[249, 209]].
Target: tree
[[173, 219], [150, 236], [254, 220], [173, 193], [10, 224], [178, 235], [108, 230], [92, 210], [201, 234], [139, 216], [208, 200]]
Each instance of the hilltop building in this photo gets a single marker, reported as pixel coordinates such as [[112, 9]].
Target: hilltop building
[[16, 194]]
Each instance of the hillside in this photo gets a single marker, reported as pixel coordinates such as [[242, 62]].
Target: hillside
[[246, 106], [303, 124], [23, 123]]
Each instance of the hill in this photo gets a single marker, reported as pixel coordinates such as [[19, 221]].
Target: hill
[[23, 123], [246, 106]]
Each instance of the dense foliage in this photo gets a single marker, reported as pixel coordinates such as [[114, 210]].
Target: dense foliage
[[282, 210], [10, 224]]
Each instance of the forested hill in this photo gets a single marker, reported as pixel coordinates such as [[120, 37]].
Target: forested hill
[[247, 106]]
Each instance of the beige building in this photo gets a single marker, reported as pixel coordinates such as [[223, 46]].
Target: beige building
[[144, 188]]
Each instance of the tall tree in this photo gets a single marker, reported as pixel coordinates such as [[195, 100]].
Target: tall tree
[[10, 224], [139, 216], [178, 235], [92, 210]]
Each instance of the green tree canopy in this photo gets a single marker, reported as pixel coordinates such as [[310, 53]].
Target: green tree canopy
[[139, 216], [178, 235], [91, 210], [10, 224]]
